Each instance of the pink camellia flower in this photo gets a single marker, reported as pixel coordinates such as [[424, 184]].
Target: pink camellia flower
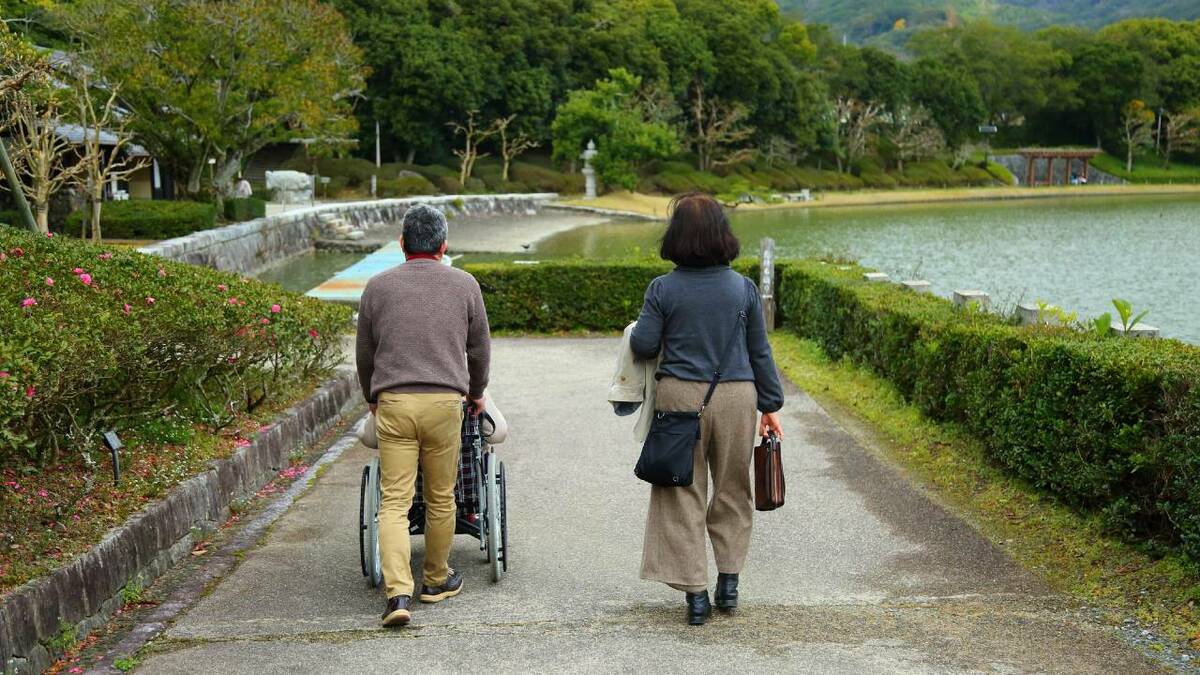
[[49, 281], [222, 287], [17, 252], [28, 302], [3, 374], [77, 271], [106, 256], [232, 301], [265, 321], [86, 279], [43, 493], [149, 300], [312, 333], [126, 309], [162, 272], [241, 442], [30, 392], [3, 256], [275, 309], [49, 235]]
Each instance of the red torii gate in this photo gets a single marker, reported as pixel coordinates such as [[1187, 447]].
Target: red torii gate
[[1032, 155]]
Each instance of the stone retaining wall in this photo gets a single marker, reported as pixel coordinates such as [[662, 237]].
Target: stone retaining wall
[[247, 247], [84, 594], [1016, 164]]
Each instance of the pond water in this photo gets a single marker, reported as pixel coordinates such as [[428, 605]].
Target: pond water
[[1075, 253], [308, 270]]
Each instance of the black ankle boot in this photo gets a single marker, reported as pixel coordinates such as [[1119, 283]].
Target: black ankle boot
[[726, 598], [698, 608]]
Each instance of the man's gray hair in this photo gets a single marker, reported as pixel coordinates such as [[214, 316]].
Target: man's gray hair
[[424, 229]]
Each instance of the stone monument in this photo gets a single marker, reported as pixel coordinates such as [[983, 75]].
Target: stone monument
[[589, 174], [290, 187]]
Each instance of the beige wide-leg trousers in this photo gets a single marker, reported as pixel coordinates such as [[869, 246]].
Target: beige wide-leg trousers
[[674, 551], [414, 429]]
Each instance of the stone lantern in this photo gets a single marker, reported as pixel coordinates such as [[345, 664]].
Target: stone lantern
[[589, 174]]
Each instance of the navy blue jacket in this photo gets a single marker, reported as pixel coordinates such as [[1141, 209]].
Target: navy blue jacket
[[690, 314]]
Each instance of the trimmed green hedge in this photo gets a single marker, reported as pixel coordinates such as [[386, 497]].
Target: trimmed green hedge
[[243, 209], [1108, 425], [559, 296], [554, 297], [405, 186], [148, 219], [128, 337]]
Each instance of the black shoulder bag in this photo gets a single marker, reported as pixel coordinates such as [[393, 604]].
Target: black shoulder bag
[[668, 455]]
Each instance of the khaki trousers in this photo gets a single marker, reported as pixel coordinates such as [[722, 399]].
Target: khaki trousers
[[417, 429], [674, 550]]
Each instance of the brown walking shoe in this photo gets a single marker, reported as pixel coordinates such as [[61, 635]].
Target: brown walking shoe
[[397, 613], [449, 588]]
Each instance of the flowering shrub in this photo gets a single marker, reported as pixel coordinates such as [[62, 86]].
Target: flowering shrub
[[118, 338]]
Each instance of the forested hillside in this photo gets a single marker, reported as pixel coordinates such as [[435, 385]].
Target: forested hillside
[[888, 21]]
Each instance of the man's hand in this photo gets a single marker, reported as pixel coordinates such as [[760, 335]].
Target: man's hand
[[770, 422], [373, 407], [477, 405]]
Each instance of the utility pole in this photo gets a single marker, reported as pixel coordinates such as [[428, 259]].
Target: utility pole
[[378, 164], [17, 189]]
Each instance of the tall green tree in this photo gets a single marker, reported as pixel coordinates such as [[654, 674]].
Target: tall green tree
[[951, 95], [613, 115], [761, 60], [1169, 50], [1013, 69], [210, 80], [435, 61]]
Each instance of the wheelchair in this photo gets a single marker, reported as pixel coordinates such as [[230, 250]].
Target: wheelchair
[[479, 494]]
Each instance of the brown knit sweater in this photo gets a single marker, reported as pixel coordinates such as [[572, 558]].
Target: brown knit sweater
[[415, 323]]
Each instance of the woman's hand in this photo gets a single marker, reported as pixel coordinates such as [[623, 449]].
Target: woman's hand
[[770, 422]]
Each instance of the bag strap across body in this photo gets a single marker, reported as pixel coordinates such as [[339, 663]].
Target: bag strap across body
[[712, 386]]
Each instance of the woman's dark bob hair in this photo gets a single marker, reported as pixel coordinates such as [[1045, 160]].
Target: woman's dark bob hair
[[698, 234]]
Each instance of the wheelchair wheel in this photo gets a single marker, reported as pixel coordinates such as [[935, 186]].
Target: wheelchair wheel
[[492, 515], [371, 529], [503, 519], [363, 510]]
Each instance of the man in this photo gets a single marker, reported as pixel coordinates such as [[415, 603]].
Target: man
[[243, 190], [415, 323]]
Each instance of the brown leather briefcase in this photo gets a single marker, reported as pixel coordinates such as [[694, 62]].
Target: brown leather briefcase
[[768, 474]]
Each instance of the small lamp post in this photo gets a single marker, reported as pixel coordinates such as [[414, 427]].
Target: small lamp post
[[113, 443]]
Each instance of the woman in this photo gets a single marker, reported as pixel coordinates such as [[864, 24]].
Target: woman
[[690, 315]]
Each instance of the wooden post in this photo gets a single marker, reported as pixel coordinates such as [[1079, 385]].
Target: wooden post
[[766, 282], [1086, 165], [1029, 160]]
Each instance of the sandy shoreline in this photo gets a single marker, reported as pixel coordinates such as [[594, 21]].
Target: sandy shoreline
[[655, 206]]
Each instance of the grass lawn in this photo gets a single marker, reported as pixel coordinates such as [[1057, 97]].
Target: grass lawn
[[1149, 169], [1071, 551]]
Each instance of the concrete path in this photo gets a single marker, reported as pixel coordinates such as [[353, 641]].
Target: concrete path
[[858, 573]]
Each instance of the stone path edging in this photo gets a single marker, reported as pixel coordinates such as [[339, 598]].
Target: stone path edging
[[85, 593], [219, 564]]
